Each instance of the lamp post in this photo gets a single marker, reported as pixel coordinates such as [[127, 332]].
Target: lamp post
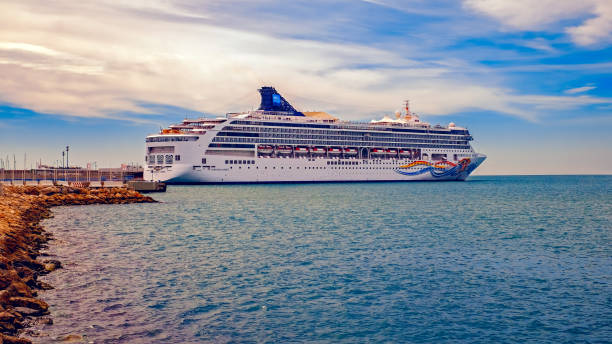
[[67, 164]]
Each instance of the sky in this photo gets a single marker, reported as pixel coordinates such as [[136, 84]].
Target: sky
[[531, 80]]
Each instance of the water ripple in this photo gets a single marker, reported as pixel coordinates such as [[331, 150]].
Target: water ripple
[[495, 259]]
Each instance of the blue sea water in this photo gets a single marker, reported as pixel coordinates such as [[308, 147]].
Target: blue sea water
[[490, 260]]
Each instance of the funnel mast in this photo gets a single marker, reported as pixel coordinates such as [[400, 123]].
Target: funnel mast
[[407, 108]]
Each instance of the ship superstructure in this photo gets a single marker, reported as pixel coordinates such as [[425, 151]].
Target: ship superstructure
[[277, 143]]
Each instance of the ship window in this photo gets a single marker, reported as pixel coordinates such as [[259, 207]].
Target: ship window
[[177, 157], [168, 159], [203, 160], [226, 162], [160, 159]]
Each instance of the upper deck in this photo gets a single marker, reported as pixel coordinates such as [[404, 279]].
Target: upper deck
[[275, 111]]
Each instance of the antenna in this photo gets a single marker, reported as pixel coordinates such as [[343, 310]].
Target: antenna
[[407, 107]]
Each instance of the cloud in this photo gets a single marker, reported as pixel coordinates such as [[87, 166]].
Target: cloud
[[595, 30], [434, 8], [107, 59], [603, 67], [579, 89], [539, 44], [527, 15]]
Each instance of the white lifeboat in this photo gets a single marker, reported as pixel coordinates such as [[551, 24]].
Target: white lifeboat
[[301, 150], [265, 149], [350, 151], [391, 151], [284, 150], [404, 152], [377, 151], [318, 150], [334, 150]]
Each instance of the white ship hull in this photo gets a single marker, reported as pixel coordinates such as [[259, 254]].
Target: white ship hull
[[279, 170]]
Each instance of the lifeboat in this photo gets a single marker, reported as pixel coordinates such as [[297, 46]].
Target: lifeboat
[[318, 150], [391, 151], [405, 152], [350, 151], [334, 150], [284, 150], [301, 150], [377, 151], [265, 149]]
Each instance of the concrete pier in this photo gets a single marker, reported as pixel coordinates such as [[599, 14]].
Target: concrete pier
[[146, 186]]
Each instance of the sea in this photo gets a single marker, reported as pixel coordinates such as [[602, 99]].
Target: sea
[[495, 259]]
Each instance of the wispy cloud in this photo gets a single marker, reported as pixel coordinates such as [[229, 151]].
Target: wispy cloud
[[579, 89], [544, 14], [603, 67], [432, 8]]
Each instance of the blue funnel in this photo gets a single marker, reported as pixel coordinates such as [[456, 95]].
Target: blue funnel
[[273, 101]]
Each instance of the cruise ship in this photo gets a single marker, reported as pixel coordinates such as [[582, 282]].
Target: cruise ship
[[277, 143]]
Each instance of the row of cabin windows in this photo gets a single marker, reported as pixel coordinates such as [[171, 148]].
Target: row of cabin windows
[[269, 132], [332, 139], [171, 138], [342, 162], [246, 162], [345, 127], [447, 145]]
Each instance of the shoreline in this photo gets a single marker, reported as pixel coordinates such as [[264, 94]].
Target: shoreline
[[22, 238]]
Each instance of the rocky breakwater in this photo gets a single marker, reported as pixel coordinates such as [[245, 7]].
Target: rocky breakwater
[[21, 239]]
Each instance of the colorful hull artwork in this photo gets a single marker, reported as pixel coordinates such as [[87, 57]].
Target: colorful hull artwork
[[438, 169]]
